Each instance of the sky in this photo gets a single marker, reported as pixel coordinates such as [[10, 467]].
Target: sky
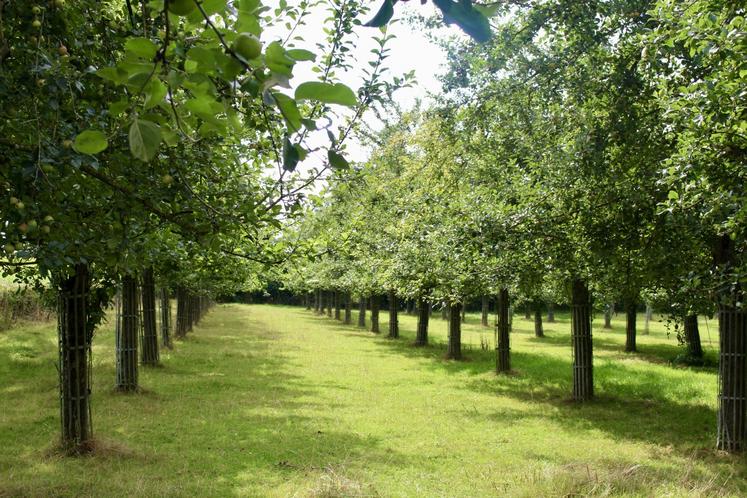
[[409, 50]]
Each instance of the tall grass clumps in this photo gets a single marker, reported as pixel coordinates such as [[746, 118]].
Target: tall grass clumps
[[20, 304]]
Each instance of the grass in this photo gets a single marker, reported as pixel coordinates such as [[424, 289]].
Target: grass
[[276, 401]]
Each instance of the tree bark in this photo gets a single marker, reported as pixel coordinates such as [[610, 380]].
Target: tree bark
[[330, 303], [485, 311], [421, 337], [150, 334], [318, 302], [181, 313], [608, 310], [550, 313], [538, 330], [126, 336], [583, 369], [165, 318], [375, 301], [630, 318], [348, 308], [393, 315], [444, 311], [454, 349], [74, 341], [338, 304], [502, 346], [692, 337], [362, 312], [732, 325]]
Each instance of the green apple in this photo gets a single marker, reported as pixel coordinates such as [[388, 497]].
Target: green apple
[[36, 10], [247, 46], [48, 219], [181, 7], [32, 225], [37, 23], [167, 179]]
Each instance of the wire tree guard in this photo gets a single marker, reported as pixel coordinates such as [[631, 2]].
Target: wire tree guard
[[127, 328], [583, 378], [732, 397], [74, 346]]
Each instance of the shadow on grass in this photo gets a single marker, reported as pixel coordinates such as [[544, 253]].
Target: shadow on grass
[[226, 409], [631, 403]]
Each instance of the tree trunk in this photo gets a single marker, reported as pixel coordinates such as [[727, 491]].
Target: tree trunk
[[454, 350], [421, 337], [608, 310], [527, 312], [348, 308], [165, 318], [307, 300], [375, 300], [583, 378], [181, 313], [338, 304], [74, 343], [150, 334], [538, 331], [362, 312], [550, 313], [126, 336], [630, 316], [444, 311], [330, 303], [485, 311], [649, 315], [692, 337], [318, 302], [502, 347], [732, 325], [393, 315]]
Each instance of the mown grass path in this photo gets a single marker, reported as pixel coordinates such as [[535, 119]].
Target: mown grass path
[[276, 401]]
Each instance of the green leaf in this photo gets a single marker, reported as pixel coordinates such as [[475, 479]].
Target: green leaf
[[141, 47], [145, 138], [113, 74], [299, 54], [277, 60], [118, 107], [326, 92], [90, 142], [289, 110], [290, 155], [383, 16], [487, 10], [472, 21], [155, 92], [336, 160]]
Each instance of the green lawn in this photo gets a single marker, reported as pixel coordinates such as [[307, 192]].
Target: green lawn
[[276, 401]]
